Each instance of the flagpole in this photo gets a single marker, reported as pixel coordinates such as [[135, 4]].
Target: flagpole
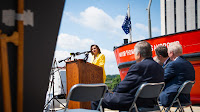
[[126, 26], [130, 28]]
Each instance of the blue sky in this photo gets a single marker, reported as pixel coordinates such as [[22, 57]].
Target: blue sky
[[87, 22]]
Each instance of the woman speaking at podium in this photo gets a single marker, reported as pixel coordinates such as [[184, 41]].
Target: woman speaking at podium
[[98, 59]]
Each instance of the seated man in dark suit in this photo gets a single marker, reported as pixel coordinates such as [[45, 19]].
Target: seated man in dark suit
[[162, 55], [145, 70], [175, 74]]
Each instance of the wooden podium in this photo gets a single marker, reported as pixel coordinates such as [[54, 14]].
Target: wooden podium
[[79, 71]]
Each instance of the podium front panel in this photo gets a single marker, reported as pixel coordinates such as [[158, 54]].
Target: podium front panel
[[82, 72]]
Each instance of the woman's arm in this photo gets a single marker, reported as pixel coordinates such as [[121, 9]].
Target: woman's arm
[[101, 60]]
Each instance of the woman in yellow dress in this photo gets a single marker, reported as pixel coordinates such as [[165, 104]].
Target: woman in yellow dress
[[98, 59]]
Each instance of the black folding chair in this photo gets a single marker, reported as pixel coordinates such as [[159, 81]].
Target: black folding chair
[[184, 89], [84, 93], [147, 90]]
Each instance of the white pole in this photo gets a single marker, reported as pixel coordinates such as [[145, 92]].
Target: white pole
[[131, 27], [149, 19]]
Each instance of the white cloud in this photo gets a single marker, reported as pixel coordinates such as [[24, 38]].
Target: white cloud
[[110, 64], [145, 28], [141, 26], [73, 43], [139, 37], [110, 56], [60, 55], [97, 19]]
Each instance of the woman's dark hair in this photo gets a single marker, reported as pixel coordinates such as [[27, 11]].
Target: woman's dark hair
[[99, 51]]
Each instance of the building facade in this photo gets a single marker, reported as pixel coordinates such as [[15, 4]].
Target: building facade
[[179, 16]]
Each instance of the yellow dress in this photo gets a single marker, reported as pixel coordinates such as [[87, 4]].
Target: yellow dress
[[100, 61]]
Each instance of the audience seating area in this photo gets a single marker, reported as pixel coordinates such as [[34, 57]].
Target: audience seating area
[[143, 92]]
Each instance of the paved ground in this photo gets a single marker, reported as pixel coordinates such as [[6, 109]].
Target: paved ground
[[196, 108]]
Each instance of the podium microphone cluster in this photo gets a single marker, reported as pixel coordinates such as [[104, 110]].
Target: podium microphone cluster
[[74, 54], [79, 53]]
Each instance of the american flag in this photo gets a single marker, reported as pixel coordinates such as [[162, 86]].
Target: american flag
[[126, 26]]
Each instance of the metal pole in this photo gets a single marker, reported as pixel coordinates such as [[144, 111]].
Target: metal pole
[[130, 28], [149, 18]]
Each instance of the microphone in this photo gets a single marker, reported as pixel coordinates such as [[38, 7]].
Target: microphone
[[72, 54], [60, 61], [85, 52], [77, 53], [88, 51], [68, 58]]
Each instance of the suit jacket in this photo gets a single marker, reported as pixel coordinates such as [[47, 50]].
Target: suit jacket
[[122, 97], [176, 73], [166, 63], [100, 61]]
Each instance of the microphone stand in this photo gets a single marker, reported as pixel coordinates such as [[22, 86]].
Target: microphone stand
[[52, 86], [68, 58], [86, 57]]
